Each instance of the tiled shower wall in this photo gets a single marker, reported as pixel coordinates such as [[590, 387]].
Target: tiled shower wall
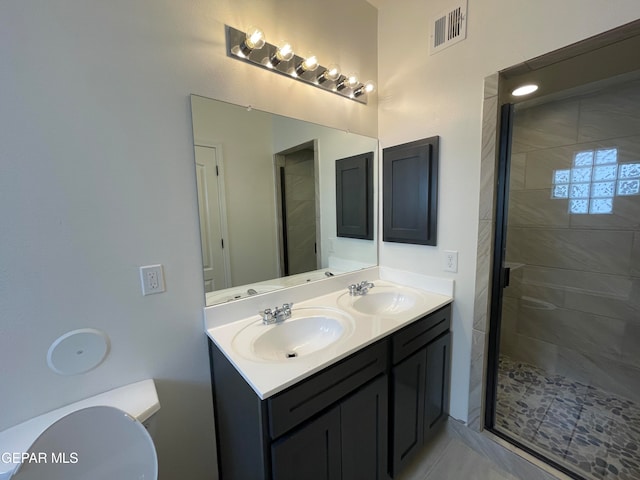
[[301, 211], [573, 305]]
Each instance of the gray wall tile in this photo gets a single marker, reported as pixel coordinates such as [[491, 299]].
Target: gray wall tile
[[635, 255], [611, 114], [595, 251], [575, 330], [544, 126], [587, 282], [537, 208]]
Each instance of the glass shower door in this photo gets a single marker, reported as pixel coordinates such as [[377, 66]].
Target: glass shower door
[[568, 377]]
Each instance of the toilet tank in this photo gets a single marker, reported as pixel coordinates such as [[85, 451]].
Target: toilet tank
[[139, 400]]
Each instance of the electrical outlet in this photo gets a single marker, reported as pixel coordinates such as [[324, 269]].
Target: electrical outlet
[[450, 261], [152, 279]]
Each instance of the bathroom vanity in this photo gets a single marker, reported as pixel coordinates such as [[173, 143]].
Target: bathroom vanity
[[358, 407]]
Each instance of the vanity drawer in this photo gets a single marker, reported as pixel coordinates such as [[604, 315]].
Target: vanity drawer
[[420, 333], [300, 402]]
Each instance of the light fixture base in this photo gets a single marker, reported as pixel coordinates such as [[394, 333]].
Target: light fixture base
[[260, 57]]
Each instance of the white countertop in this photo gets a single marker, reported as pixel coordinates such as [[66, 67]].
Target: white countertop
[[270, 377]]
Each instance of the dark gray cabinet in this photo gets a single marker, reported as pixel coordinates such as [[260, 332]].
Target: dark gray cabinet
[[332, 425], [410, 192], [354, 196], [359, 419], [437, 383], [312, 452], [408, 382], [347, 442], [364, 419], [420, 379]]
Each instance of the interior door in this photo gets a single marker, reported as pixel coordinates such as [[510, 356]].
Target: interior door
[[211, 208]]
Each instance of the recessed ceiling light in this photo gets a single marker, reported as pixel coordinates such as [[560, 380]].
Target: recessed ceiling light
[[524, 90]]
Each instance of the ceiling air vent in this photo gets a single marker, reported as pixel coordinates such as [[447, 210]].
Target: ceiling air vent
[[449, 27]]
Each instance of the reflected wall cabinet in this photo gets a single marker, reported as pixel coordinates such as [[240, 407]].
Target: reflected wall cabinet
[[410, 192], [354, 196]]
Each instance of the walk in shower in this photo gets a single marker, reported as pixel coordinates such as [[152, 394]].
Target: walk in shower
[[568, 378]]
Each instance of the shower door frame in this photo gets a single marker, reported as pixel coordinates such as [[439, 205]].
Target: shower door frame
[[500, 274], [499, 280]]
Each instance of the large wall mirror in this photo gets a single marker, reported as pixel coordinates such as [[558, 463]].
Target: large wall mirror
[[267, 200]]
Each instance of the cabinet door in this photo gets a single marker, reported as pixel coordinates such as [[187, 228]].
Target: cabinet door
[[364, 432], [437, 387], [312, 452], [408, 391], [410, 192]]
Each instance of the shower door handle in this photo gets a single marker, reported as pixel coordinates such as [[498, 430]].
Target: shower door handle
[[506, 276]]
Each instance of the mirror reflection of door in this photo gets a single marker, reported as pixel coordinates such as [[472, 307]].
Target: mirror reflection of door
[[211, 206], [298, 209]]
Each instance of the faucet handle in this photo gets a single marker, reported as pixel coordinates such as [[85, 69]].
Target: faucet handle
[[267, 314]]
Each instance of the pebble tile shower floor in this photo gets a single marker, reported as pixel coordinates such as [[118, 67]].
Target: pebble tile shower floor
[[592, 432]]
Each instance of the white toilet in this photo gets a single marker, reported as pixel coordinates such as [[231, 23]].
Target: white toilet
[[100, 438]]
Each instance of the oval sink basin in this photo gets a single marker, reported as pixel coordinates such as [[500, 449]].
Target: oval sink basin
[[308, 331], [382, 301]]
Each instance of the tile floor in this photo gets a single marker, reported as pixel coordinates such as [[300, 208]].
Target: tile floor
[[458, 453], [594, 433], [455, 461]]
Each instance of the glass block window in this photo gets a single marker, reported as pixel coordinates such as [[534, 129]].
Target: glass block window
[[561, 176], [603, 189], [606, 156], [605, 172], [561, 191], [628, 187], [629, 170], [579, 206], [594, 179]]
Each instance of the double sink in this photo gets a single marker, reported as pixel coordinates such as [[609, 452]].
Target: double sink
[[311, 329], [318, 332]]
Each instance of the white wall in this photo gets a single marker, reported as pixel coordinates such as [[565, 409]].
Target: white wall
[[97, 178], [421, 95]]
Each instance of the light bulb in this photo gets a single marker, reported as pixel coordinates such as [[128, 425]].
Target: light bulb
[[368, 87], [309, 64], [332, 72], [349, 81], [284, 53], [254, 39], [524, 90]]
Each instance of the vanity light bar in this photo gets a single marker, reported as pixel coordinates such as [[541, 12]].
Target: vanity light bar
[[243, 46]]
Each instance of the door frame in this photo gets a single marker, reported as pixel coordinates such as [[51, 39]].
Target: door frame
[[499, 277]]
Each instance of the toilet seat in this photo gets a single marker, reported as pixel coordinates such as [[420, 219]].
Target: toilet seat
[[94, 443]]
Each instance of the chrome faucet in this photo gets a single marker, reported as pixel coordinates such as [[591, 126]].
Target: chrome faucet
[[276, 315], [361, 288]]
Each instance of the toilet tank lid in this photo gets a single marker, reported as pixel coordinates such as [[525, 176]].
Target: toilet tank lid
[[140, 400]]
